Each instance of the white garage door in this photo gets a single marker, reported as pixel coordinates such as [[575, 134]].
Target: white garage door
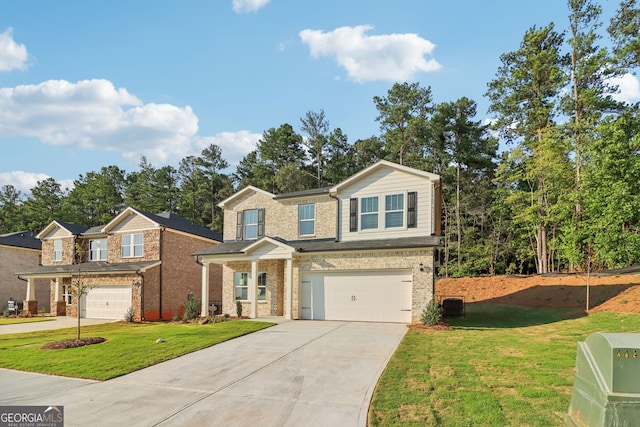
[[107, 302], [381, 296]]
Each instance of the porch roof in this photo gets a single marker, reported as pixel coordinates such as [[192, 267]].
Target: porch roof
[[326, 245], [95, 267]]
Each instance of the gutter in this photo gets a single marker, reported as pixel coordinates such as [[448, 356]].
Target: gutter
[[337, 215]]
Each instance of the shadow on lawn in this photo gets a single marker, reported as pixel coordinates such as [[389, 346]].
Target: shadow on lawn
[[483, 315]]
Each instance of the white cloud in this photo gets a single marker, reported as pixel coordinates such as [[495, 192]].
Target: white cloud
[[391, 57], [13, 56], [244, 6], [93, 114], [629, 88], [22, 181]]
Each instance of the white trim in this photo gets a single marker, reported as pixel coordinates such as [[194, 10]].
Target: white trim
[[53, 224], [125, 214]]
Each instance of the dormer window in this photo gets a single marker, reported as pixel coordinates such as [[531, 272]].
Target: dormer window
[[132, 246], [98, 250], [57, 250]]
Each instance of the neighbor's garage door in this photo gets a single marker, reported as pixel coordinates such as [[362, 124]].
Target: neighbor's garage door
[[107, 302], [362, 296]]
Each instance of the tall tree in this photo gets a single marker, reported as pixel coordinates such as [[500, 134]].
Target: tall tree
[[44, 204], [150, 189], [97, 197], [624, 29], [403, 115], [10, 207], [193, 189], [316, 126], [523, 96], [471, 152], [218, 185]]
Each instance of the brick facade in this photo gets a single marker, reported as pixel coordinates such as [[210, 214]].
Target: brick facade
[[14, 259]]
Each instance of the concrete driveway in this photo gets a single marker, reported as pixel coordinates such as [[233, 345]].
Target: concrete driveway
[[296, 373]]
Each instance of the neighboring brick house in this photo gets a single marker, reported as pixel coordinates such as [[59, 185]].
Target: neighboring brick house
[[363, 249], [138, 261], [20, 250]]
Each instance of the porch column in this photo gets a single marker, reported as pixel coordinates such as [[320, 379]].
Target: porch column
[[204, 312], [30, 304], [288, 283], [253, 289]]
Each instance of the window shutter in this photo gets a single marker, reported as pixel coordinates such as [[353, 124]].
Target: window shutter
[[260, 223], [353, 214], [412, 221], [239, 226]]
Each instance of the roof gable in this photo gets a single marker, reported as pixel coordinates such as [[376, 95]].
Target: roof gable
[[380, 165], [64, 229], [242, 193]]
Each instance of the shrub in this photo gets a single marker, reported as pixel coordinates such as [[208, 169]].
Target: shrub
[[128, 315], [431, 314], [239, 308], [191, 309]]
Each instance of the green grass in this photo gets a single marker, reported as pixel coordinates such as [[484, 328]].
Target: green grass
[[129, 347], [500, 366], [14, 320]]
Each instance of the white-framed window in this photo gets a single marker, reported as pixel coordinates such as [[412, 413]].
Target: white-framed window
[[98, 250], [57, 250], [307, 219], [369, 213], [66, 294], [394, 210], [251, 224], [132, 246], [241, 284]]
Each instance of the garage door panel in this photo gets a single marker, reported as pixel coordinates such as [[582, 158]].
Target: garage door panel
[[107, 302], [362, 296]]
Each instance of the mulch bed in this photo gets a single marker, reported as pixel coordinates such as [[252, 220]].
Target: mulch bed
[[72, 343]]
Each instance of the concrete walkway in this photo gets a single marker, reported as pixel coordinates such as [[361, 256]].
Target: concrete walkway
[[297, 373], [55, 323]]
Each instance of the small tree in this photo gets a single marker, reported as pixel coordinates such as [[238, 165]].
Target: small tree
[[431, 314], [79, 285]]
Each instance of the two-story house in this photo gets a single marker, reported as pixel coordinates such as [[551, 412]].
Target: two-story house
[[361, 250], [138, 261]]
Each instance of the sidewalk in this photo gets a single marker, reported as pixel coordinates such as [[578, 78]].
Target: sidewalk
[[60, 322]]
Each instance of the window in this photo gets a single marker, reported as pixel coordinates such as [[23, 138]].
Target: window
[[262, 286], [98, 250], [369, 213], [394, 210], [57, 250], [307, 220], [66, 294], [132, 245], [250, 224], [241, 283]]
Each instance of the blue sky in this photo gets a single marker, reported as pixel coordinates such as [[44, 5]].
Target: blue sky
[[86, 84]]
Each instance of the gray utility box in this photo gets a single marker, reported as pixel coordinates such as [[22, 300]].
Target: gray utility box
[[606, 390]]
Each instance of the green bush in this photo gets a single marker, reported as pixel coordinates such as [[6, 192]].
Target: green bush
[[191, 309], [239, 308], [128, 315], [431, 314]]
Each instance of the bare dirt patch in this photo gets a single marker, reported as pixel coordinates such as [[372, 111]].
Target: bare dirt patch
[[610, 292]]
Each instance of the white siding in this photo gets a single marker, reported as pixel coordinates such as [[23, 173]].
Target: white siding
[[386, 182], [134, 223]]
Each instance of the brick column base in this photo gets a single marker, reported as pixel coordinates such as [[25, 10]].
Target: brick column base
[[59, 308], [31, 307]]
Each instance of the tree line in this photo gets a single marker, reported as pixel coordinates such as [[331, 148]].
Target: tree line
[[563, 196]]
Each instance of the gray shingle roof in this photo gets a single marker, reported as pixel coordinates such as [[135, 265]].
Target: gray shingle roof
[[21, 239], [325, 245], [88, 267]]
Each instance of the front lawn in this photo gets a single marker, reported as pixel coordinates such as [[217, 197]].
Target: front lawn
[[14, 320], [129, 347], [500, 366]]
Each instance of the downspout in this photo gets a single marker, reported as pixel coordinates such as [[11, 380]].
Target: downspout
[[160, 278], [141, 295], [337, 215]]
